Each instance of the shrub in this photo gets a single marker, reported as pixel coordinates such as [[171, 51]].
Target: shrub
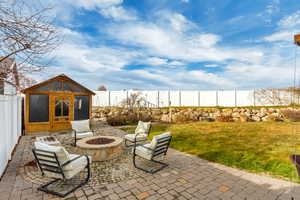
[[180, 118], [291, 115], [128, 119], [224, 118]]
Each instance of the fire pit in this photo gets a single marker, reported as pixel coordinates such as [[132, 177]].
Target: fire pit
[[101, 148]]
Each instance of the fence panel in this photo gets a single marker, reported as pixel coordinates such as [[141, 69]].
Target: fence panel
[[208, 98], [245, 98], [101, 98], [11, 127], [189, 98], [151, 97], [117, 97], [164, 98], [226, 98]]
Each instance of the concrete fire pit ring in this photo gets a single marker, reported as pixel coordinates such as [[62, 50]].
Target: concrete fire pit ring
[[101, 152]]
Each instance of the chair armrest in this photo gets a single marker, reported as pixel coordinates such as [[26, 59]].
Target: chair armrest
[[140, 145], [69, 161]]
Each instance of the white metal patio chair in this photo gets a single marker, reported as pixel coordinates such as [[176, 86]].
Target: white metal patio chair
[[141, 134], [55, 162], [159, 145], [81, 129]]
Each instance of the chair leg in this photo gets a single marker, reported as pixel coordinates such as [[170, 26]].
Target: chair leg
[[44, 187], [163, 165]]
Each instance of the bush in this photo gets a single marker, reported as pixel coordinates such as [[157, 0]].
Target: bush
[[128, 119], [178, 118], [224, 118], [291, 115]]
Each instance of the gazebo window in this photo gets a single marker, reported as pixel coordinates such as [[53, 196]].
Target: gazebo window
[[81, 107], [62, 107], [38, 108]]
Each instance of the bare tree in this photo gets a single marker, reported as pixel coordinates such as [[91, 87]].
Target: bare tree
[[27, 36], [101, 88], [134, 100], [282, 96]]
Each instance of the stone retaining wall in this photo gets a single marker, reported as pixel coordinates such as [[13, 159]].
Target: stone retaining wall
[[199, 114]]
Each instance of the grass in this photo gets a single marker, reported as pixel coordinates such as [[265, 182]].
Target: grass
[[261, 147]]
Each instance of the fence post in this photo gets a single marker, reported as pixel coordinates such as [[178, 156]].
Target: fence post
[[158, 98], [179, 98], [235, 98], [217, 98], [127, 97], [254, 103], [109, 98], [199, 103], [169, 99]]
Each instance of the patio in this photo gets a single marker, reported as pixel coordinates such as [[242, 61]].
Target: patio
[[187, 177]]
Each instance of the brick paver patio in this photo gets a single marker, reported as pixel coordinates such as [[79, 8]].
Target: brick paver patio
[[188, 177]]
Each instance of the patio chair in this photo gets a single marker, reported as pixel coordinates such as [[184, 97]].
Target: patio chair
[[159, 145], [81, 129], [55, 162], [141, 133], [296, 160]]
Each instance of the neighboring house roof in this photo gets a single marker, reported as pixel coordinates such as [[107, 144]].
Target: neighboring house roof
[[59, 77]]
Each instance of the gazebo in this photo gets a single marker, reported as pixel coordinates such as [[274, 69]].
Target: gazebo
[[52, 104]]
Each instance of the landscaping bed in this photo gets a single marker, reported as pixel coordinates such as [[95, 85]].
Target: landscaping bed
[[261, 147]]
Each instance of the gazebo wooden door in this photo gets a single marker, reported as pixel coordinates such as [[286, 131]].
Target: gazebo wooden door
[[61, 111]]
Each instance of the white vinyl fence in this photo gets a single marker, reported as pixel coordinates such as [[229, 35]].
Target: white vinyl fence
[[10, 127], [226, 98]]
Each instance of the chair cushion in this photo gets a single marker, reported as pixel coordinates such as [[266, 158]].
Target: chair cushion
[[76, 163], [155, 138], [143, 128], [71, 169], [139, 137], [84, 134], [81, 125], [61, 153], [144, 152]]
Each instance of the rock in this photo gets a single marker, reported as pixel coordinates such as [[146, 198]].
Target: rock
[[165, 118], [235, 115], [256, 118], [243, 118]]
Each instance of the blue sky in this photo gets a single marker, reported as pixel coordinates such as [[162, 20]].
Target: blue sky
[[176, 44]]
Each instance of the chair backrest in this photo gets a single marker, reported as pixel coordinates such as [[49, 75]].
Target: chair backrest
[[160, 143], [49, 158], [81, 125], [143, 128]]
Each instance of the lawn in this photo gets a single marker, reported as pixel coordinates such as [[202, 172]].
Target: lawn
[[261, 147]]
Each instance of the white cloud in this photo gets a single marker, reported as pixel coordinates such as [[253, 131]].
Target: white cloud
[[290, 21], [156, 61], [185, 1], [271, 9], [280, 36], [211, 79], [94, 4], [117, 13], [286, 28], [211, 65], [179, 22], [171, 44]]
